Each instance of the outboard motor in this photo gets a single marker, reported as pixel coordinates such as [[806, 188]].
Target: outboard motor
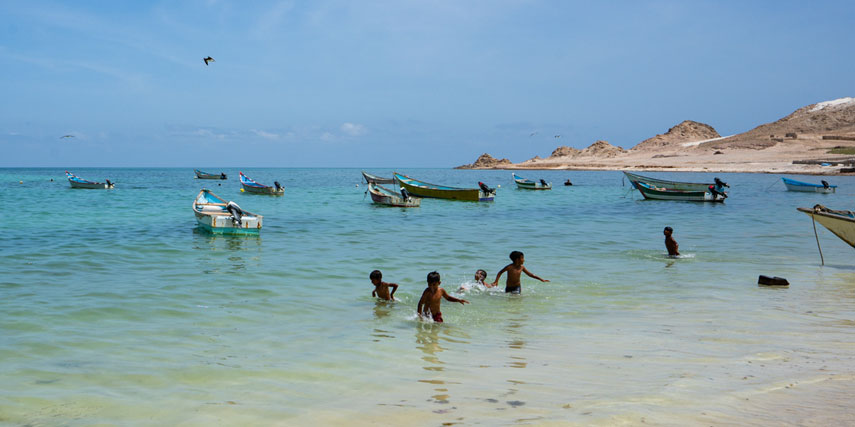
[[405, 194], [222, 176], [720, 183], [714, 191], [276, 183], [484, 187], [236, 212], [544, 183], [824, 183], [110, 184]]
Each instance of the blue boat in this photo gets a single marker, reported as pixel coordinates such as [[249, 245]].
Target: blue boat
[[78, 182], [807, 187]]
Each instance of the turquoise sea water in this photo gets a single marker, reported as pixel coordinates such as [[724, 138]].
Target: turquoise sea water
[[116, 310]]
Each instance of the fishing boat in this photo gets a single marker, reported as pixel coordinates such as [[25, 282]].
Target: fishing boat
[[78, 182], [671, 185], [841, 223], [205, 175], [218, 216], [248, 184], [424, 189], [384, 196], [374, 179], [659, 193], [528, 184], [807, 187]]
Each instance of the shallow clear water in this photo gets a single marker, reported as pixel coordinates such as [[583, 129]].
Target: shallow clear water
[[115, 309]]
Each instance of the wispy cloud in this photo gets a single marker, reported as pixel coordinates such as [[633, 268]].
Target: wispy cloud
[[353, 129], [265, 135]]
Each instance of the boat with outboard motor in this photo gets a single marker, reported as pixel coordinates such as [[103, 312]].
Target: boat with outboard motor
[[672, 185], [251, 186], [78, 182], [424, 189], [659, 193], [374, 179], [527, 184], [807, 187], [218, 216], [384, 196], [205, 175]]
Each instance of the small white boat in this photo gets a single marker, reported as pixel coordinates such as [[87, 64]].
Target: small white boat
[[78, 182], [807, 187], [384, 196], [528, 184], [841, 223], [221, 217]]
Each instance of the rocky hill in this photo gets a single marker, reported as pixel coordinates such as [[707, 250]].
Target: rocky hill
[[602, 149], [687, 131], [829, 117], [486, 161]]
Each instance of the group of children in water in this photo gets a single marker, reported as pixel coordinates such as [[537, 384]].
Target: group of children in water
[[429, 303]]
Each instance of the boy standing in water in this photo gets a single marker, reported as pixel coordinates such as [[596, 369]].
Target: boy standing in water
[[670, 243], [515, 269], [432, 298], [381, 288]]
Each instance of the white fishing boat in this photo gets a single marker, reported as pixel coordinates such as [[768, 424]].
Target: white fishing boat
[[527, 184], [216, 215], [78, 182], [384, 196], [841, 223]]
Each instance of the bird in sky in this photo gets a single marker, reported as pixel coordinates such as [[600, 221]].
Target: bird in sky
[[66, 136], [208, 59], [532, 134], [558, 136]]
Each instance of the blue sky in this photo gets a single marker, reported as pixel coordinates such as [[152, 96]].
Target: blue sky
[[398, 83]]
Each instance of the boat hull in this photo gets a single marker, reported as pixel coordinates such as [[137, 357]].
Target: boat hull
[[270, 191], [211, 215], [841, 226], [671, 185], [654, 193], [90, 185], [806, 187], [432, 191], [374, 179], [384, 196], [203, 175]]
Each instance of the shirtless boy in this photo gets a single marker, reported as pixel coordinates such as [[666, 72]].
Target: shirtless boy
[[432, 298], [670, 243], [381, 288], [515, 269]]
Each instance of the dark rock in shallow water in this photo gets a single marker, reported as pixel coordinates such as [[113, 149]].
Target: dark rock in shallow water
[[772, 281]]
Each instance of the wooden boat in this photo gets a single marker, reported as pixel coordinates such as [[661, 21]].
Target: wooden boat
[[671, 185], [205, 175], [424, 189], [659, 193], [384, 196], [248, 184], [841, 223], [807, 187], [528, 184], [374, 179], [216, 215], [78, 182]]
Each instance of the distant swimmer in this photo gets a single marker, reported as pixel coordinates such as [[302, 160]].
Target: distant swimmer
[[568, 182], [208, 59], [66, 136], [515, 269], [670, 243]]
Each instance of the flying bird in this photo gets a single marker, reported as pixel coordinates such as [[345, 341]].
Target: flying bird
[[532, 134], [558, 136], [66, 136], [208, 59]]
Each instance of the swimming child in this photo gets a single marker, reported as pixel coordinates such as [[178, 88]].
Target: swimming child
[[381, 288], [515, 269], [432, 298], [670, 243], [480, 276]]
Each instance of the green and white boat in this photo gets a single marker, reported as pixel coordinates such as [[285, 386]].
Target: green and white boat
[[218, 216]]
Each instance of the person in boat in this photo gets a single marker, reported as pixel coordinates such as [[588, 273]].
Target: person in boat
[[671, 244], [381, 288], [515, 270], [429, 303]]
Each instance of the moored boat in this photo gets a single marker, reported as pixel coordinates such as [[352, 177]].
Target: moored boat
[[205, 175], [251, 186], [384, 196], [374, 179], [424, 189], [528, 184], [216, 215], [807, 187], [78, 182], [659, 193], [841, 223], [671, 185]]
